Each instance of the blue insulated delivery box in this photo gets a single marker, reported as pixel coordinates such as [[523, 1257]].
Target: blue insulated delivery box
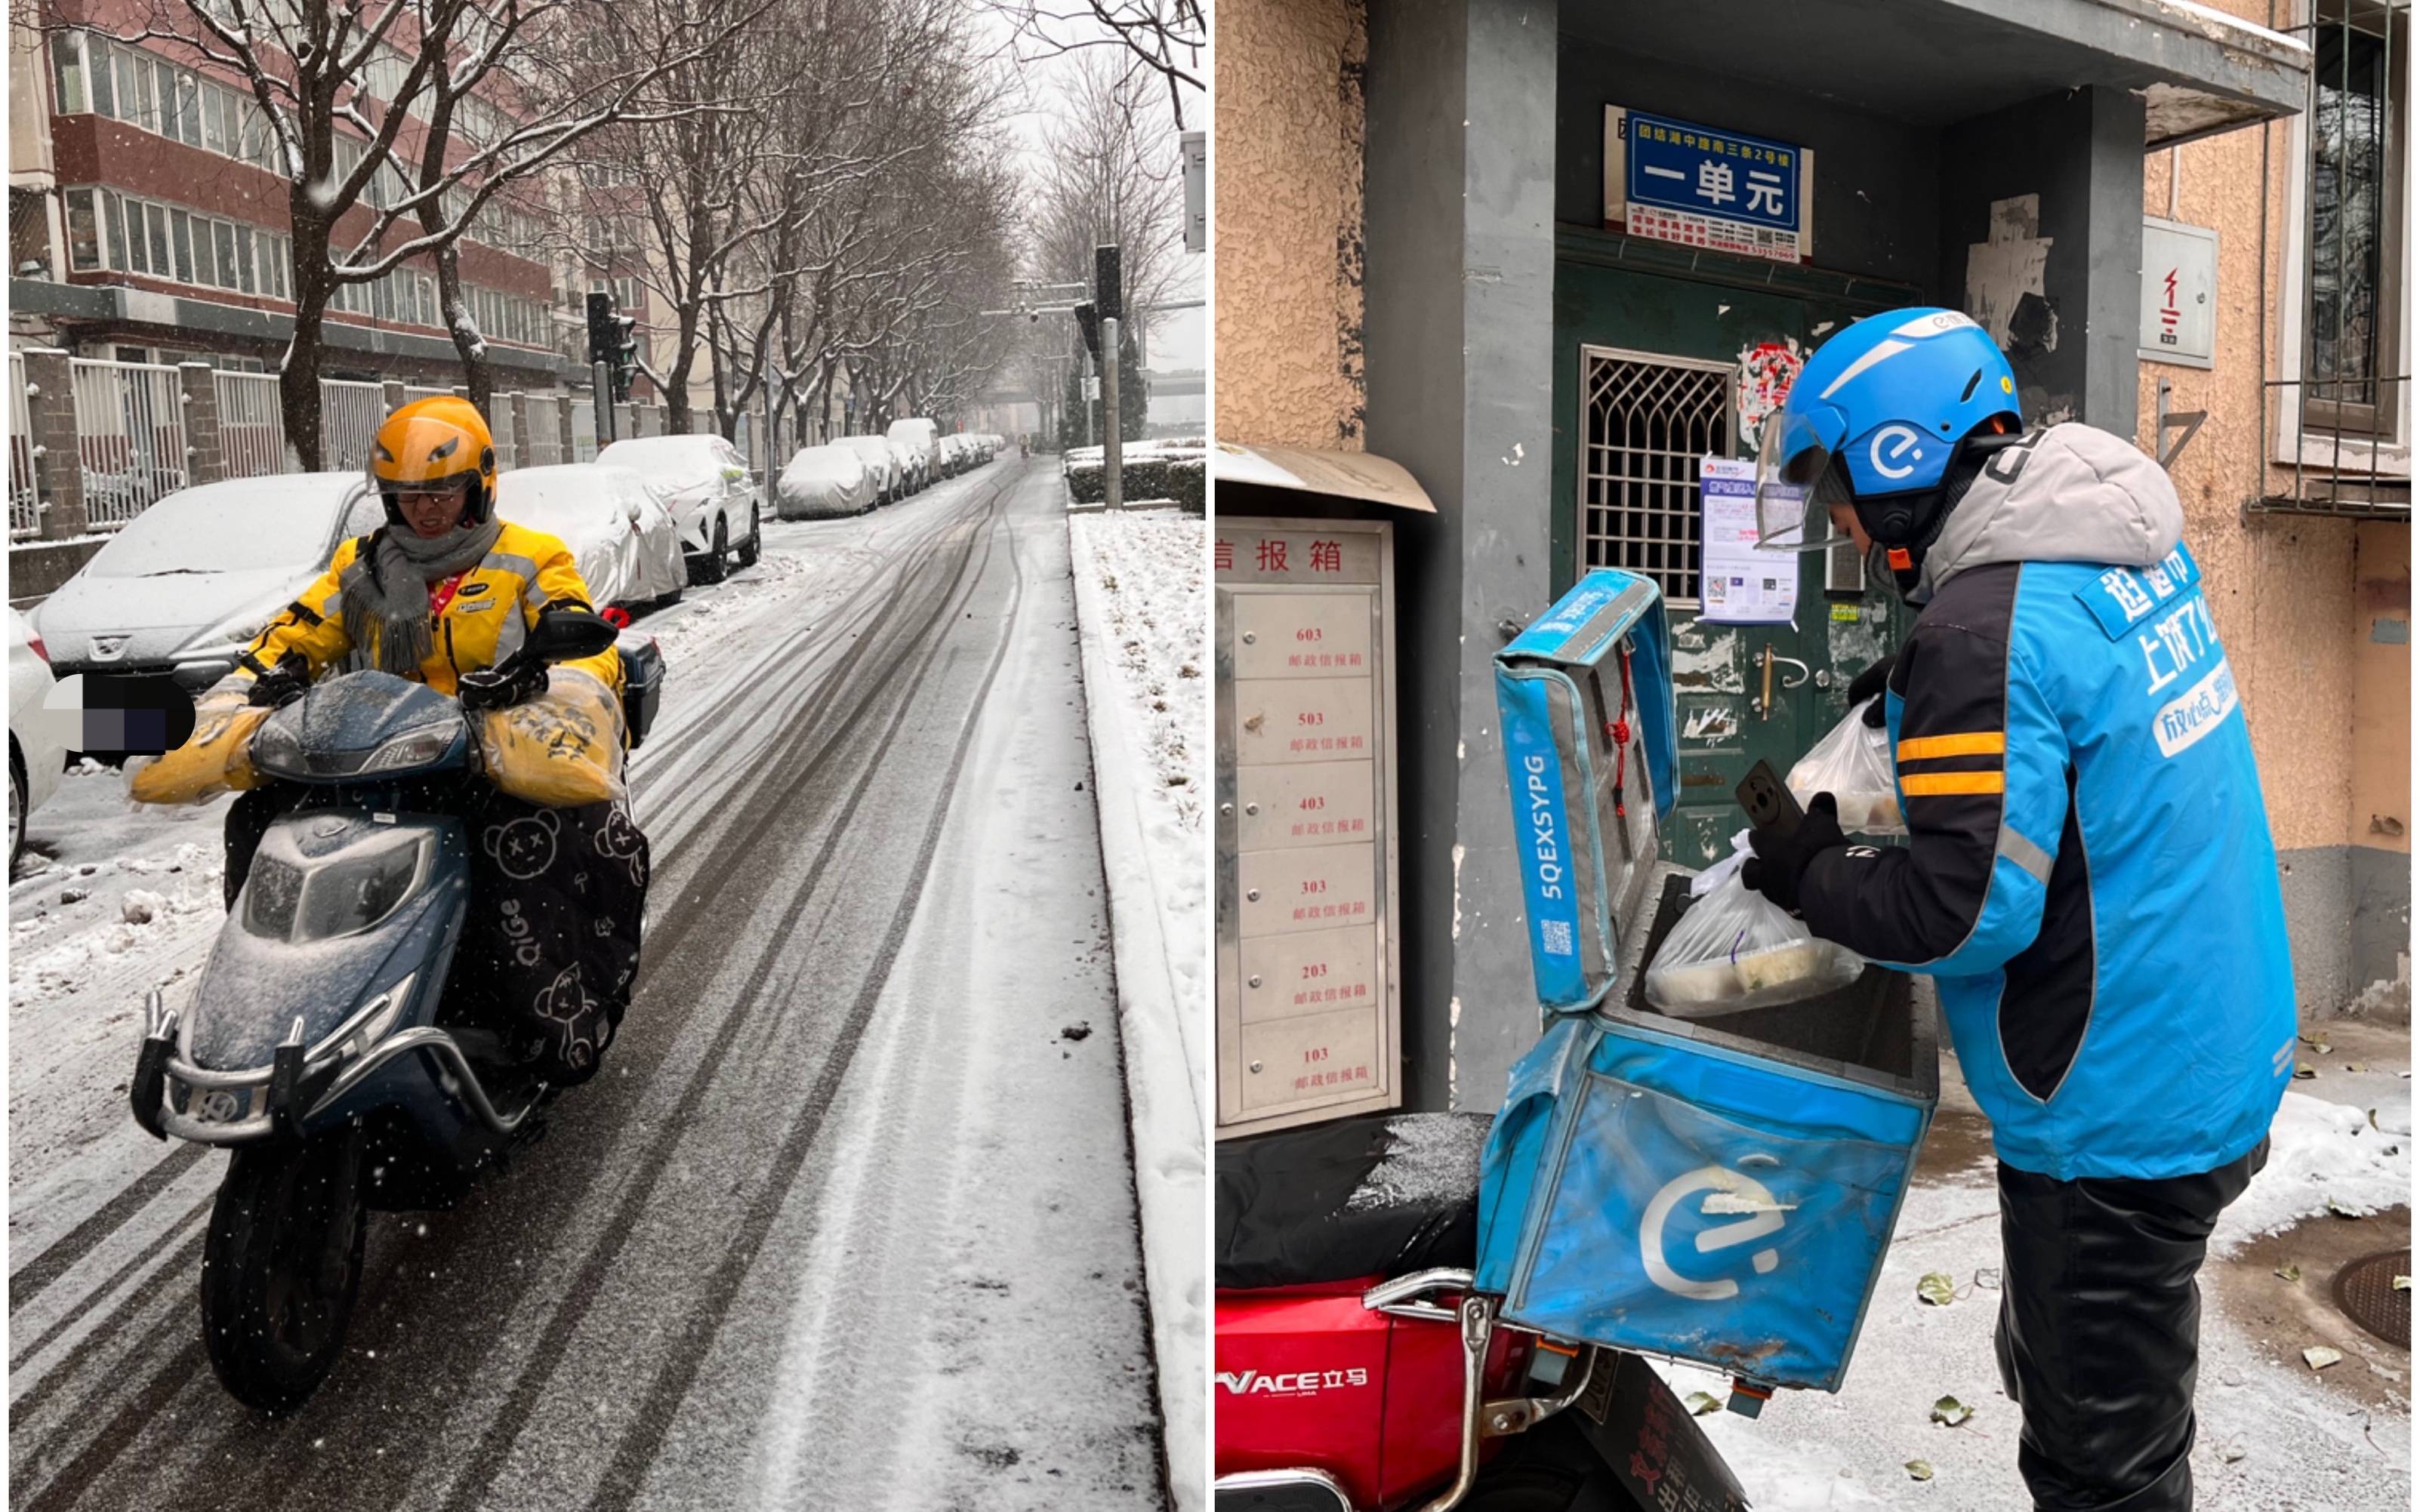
[[1586, 696], [1720, 1190]]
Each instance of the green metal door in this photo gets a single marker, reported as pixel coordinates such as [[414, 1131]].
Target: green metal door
[[1649, 366]]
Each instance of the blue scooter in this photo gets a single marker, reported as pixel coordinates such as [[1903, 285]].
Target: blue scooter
[[312, 1047]]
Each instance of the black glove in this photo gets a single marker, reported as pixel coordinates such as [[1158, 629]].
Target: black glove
[[1870, 683], [281, 685], [1782, 857], [501, 687]]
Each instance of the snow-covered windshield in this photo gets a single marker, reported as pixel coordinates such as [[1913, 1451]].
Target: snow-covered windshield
[[679, 460], [279, 521], [872, 448]]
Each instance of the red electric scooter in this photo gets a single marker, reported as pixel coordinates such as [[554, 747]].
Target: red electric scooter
[[1357, 1371]]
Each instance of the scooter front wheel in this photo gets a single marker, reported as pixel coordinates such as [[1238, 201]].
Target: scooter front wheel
[[282, 1267]]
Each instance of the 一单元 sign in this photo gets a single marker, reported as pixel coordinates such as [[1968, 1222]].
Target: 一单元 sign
[[1679, 181]]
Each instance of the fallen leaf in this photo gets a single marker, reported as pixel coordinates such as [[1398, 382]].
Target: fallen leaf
[[1919, 1470], [2304, 1073], [1938, 1288], [2356, 1065], [2373, 1121], [2318, 1356], [2402, 1283], [2341, 1211], [2232, 1453], [1950, 1411], [1699, 1403], [2318, 1046], [2289, 1272]]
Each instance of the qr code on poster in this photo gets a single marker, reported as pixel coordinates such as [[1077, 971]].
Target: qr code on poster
[[1555, 935]]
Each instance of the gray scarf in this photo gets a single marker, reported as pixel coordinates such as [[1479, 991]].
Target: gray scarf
[[385, 591]]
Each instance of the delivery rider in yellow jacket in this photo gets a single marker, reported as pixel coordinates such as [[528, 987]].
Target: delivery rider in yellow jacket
[[443, 594]]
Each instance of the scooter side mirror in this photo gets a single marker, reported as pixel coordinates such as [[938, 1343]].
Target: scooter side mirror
[[570, 635]]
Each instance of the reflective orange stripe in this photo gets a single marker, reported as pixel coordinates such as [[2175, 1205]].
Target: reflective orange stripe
[[1926, 747], [1944, 784]]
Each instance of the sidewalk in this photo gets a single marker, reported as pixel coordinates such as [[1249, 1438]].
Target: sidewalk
[[2274, 1435], [1139, 587]]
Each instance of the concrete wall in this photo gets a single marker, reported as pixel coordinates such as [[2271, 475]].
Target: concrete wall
[[2066, 170], [2297, 598], [1461, 270], [1289, 218]]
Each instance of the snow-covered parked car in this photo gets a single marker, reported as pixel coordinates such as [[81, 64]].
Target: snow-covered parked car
[[822, 482], [882, 461], [909, 463], [713, 503], [36, 758], [620, 532], [185, 585], [922, 436]]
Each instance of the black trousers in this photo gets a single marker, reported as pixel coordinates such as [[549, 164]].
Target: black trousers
[[549, 951], [2100, 1331]]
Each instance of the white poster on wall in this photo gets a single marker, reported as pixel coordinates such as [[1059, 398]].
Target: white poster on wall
[[1743, 584]]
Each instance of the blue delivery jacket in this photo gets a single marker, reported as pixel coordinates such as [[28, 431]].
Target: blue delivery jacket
[[2089, 873]]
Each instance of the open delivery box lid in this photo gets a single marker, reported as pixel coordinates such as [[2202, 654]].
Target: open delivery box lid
[[1361, 475], [1719, 1189]]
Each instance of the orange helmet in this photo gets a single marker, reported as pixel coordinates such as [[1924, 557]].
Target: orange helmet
[[431, 443]]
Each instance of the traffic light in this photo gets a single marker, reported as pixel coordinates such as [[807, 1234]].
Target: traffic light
[[625, 356], [1105, 293], [1090, 323], [601, 327], [613, 340]]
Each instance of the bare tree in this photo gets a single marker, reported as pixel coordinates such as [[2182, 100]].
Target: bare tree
[[358, 104], [1113, 176], [1163, 38]]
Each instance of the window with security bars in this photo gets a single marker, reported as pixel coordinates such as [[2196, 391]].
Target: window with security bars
[[2357, 188], [1645, 423]]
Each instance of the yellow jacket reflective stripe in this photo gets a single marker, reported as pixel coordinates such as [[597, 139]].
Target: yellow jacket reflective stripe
[[492, 609]]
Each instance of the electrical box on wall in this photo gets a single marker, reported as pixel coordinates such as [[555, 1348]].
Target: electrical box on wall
[[2179, 318], [1308, 994]]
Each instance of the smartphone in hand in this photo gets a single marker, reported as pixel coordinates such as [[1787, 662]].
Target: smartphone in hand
[[1769, 803]]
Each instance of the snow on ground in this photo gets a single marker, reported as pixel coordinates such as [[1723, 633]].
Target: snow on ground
[[1138, 596], [2299, 1445]]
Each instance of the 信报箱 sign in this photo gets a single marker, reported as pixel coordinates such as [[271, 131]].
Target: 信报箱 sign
[[1679, 181]]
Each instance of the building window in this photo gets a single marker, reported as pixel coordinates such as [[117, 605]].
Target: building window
[[83, 232], [156, 216], [1644, 423], [183, 225], [206, 263], [66, 71], [2355, 226]]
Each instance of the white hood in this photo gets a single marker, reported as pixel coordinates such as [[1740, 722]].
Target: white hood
[[2079, 495]]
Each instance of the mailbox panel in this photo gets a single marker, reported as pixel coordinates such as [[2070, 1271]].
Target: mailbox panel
[[1289, 975], [1324, 802], [1309, 968], [1286, 892], [1302, 719], [1302, 634], [1319, 1058]]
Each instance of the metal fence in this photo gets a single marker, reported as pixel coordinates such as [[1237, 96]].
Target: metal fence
[[412, 392], [129, 437], [24, 503], [584, 430], [543, 446], [252, 427], [501, 429], [350, 413]]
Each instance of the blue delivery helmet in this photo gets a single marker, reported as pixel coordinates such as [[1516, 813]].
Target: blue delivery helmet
[[1875, 420]]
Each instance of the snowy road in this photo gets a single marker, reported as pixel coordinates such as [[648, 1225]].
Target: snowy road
[[848, 1220]]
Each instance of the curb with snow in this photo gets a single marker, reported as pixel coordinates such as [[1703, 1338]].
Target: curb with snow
[[1164, 1086]]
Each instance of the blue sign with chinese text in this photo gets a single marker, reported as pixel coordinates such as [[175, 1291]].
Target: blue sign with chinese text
[[1680, 165]]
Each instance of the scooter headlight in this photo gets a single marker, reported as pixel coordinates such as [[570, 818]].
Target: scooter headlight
[[369, 1024], [277, 750], [414, 748]]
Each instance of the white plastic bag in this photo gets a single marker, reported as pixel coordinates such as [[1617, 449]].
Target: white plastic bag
[[1735, 949], [1853, 765]]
